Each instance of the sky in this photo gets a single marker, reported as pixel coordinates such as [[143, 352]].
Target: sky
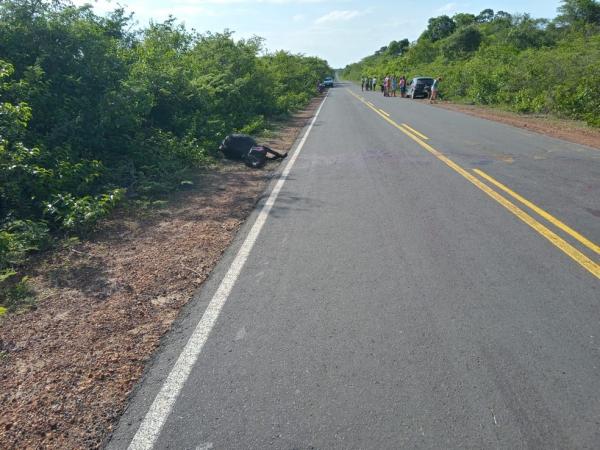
[[340, 31]]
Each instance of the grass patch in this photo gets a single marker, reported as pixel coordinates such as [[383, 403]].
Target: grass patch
[[17, 297]]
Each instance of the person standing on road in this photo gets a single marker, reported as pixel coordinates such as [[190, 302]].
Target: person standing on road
[[374, 85], [386, 86], [402, 86], [362, 84], [394, 85], [434, 90]]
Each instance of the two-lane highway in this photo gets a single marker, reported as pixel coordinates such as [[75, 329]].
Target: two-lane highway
[[416, 278]]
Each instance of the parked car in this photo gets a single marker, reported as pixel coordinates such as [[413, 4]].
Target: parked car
[[419, 87], [328, 82]]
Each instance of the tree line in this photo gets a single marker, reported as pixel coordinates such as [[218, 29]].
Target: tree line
[[94, 109], [496, 58]]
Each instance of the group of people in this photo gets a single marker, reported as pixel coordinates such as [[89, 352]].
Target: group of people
[[389, 86], [368, 83]]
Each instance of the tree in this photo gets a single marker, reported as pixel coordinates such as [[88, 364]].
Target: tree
[[463, 19], [29, 9], [382, 50], [14, 156], [487, 15], [464, 41], [526, 32], [404, 46], [397, 48], [573, 12], [502, 16], [439, 28], [423, 51]]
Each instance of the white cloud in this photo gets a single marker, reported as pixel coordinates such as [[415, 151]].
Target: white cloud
[[183, 9], [186, 9], [229, 2], [109, 5], [339, 16], [448, 8], [183, 12], [280, 2]]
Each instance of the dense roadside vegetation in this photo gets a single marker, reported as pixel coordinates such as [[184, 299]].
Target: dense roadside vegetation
[[93, 111], [514, 61]]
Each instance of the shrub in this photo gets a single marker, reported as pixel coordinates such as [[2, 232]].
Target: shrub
[[90, 111]]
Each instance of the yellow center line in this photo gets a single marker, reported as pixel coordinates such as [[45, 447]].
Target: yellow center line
[[421, 135], [589, 244], [556, 240], [384, 112], [383, 116]]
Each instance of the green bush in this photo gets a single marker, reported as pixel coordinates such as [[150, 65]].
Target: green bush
[[91, 111], [20, 237], [16, 296], [81, 213]]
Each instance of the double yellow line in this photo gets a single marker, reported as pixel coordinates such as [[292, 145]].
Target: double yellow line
[[555, 239]]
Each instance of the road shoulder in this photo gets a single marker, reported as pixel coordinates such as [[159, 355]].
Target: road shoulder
[[568, 130]]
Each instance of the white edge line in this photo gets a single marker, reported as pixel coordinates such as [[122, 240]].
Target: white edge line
[[159, 411]]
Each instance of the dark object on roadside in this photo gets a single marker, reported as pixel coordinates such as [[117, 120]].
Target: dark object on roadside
[[419, 87], [257, 157], [243, 147], [320, 88], [237, 146]]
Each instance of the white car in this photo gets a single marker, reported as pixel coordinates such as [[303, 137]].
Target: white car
[[328, 82]]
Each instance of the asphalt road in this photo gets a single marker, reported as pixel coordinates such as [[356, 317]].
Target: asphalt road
[[396, 298]]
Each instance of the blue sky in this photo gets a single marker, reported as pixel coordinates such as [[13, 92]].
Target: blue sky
[[341, 31]]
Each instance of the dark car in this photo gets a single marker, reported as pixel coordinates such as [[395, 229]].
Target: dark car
[[419, 87], [328, 82]]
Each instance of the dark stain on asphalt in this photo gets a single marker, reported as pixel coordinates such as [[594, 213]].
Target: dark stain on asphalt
[[593, 212]]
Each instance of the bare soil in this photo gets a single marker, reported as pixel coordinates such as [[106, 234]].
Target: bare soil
[[567, 130], [68, 367]]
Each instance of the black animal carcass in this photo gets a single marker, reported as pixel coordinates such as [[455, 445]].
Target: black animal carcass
[[244, 148]]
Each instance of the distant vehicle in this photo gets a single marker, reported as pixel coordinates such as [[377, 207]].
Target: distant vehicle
[[419, 87], [328, 82]]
